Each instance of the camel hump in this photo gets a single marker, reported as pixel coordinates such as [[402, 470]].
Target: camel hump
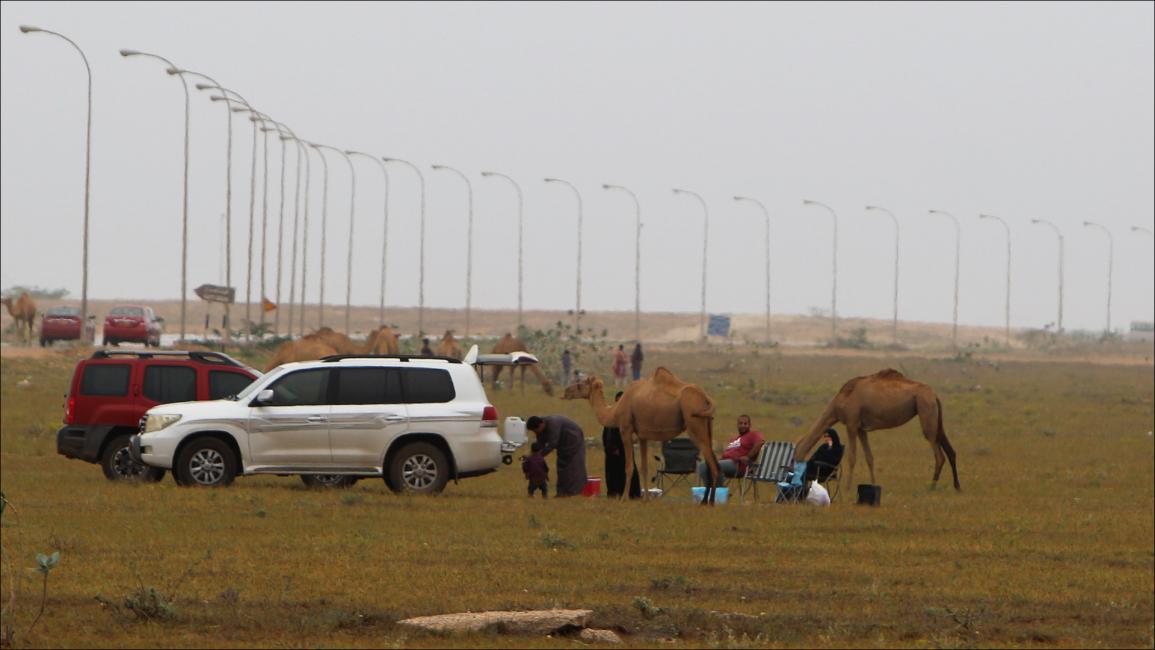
[[889, 373]]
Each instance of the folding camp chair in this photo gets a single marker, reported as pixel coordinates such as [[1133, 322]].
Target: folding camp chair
[[772, 466], [794, 487], [679, 463]]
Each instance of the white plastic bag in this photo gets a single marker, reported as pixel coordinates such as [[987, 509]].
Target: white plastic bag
[[818, 495]]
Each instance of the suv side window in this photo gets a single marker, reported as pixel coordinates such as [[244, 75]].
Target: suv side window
[[223, 383], [301, 388], [427, 386], [105, 379], [368, 386], [167, 384]]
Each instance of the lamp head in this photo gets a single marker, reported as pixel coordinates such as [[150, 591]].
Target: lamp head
[[129, 52], [29, 28], [1088, 223], [174, 70], [205, 86], [487, 174], [438, 166], [872, 207], [552, 180], [1035, 221]]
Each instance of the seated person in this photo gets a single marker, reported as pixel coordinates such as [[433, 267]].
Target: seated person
[[830, 452], [740, 452]]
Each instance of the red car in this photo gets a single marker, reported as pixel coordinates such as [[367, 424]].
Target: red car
[[61, 324], [133, 324]]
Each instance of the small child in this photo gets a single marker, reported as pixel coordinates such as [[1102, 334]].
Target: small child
[[536, 471]]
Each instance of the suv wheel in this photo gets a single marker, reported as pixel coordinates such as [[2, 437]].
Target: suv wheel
[[118, 464], [206, 462], [326, 481], [418, 467]]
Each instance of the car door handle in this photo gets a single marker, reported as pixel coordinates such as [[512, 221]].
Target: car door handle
[[394, 418], [316, 418]]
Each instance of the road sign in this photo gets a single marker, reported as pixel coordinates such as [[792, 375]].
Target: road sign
[[718, 326], [214, 293]]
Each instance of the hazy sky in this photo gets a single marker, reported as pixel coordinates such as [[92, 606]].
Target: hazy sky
[[1031, 110]]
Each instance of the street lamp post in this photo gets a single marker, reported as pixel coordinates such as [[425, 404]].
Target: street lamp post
[[894, 323], [1110, 264], [184, 212], [385, 236], [1059, 234], [834, 283], [957, 239], [577, 314], [1138, 229], [324, 230], [252, 198], [705, 249], [352, 215], [520, 229], [1008, 305], [468, 245], [228, 185], [766, 214], [302, 152], [637, 259], [261, 118], [28, 29], [421, 254]]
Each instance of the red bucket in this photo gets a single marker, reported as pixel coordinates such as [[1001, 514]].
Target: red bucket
[[593, 487]]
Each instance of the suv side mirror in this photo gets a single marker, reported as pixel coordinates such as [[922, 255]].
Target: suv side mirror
[[264, 397]]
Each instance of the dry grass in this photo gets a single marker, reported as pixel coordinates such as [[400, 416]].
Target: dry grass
[[1051, 543]]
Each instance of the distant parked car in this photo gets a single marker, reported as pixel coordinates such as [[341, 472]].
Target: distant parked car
[[111, 391], [132, 324], [62, 324]]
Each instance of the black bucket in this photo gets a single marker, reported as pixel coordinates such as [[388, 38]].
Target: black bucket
[[870, 495]]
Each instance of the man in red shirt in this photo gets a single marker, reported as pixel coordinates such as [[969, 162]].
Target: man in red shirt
[[740, 452]]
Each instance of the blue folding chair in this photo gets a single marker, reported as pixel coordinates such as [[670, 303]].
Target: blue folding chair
[[793, 489]]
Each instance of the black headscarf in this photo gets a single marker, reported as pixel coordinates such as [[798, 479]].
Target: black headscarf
[[831, 454]]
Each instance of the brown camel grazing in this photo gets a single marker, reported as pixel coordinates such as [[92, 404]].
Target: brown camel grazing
[[382, 340], [884, 400], [306, 348], [508, 344], [338, 341], [448, 346], [655, 409], [23, 310]]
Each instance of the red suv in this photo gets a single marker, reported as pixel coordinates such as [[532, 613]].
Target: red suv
[[111, 391], [61, 324], [134, 324]]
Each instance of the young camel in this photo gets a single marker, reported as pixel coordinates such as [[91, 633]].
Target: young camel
[[448, 346], [884, 400], [656, 409], [23, 310], [508, 344]]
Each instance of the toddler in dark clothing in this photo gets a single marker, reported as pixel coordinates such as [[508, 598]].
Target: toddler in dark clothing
[[536, 471]]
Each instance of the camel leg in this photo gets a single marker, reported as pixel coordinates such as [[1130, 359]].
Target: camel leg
[[522, 379], [703, 441], [496, 376], [628, 453], [866, 451], [928, 413], [644, 476], [852, 442]]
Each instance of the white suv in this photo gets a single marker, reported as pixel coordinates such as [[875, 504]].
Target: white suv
[[415, 421]]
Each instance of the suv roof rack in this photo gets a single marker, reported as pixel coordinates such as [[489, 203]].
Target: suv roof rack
[[197, 355], [400, 357]]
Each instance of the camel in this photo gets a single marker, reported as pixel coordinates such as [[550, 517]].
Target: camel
[[338, 341], [382, 340], [23, 310], [508, 344], [656, 409], [448, 346], [884, 400], [308, 348]]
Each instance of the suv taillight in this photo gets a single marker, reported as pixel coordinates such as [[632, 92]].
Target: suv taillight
[[489, 417], [69, 410]]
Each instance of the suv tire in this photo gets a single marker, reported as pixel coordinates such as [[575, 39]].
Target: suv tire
[[206, 462], [418, 468], [328, 481], [118, 464]]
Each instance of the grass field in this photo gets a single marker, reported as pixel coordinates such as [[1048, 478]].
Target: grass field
[[1051, 543]]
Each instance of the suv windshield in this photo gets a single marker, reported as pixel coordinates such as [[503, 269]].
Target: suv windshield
[[127, 311]]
